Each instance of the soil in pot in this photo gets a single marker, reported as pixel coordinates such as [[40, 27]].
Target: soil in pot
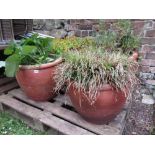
[[37, 81], [108, 104]]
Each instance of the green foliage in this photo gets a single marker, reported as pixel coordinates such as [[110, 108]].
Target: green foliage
[[64, 45], [30, 51], [123, 27], [12, 65], [44, 45], [12, 126], [126, 39], [119, 37], [129, 43], [89, 70], [107, 40]]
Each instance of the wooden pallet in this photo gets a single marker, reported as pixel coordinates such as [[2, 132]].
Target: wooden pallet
[[57, 116], [7, 84]]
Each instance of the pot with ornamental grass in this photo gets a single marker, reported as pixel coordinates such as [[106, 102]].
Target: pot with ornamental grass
[[32, 62], [99, 82]]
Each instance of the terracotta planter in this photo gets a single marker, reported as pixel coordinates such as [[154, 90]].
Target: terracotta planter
[[134, 56], [36, 81], [108, 104]]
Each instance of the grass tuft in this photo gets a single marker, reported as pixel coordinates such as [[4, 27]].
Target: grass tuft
[[89, 70]]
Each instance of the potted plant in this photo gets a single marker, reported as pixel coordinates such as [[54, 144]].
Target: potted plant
[[32, 62], [119, 38], [99, 82]]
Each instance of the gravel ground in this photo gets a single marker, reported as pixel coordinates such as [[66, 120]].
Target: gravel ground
[[139, 120]]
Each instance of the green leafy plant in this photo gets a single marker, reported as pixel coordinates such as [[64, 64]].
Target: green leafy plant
[[29, 51], [107, 40], [122, 27], [119, 37], [127, 41], [89, 70], [64, 45]]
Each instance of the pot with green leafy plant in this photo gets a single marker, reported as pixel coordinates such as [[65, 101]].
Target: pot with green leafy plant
[[98, 82], [119, 38], [33, 63]]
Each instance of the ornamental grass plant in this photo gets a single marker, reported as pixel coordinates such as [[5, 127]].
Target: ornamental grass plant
[[90, 69]]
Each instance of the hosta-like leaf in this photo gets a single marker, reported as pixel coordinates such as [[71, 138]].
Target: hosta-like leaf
[[12, 65], [28, 49], [8, 51]]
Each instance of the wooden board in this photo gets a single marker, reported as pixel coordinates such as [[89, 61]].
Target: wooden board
[[7, 29], [58, 115], [6, 80], [1, 36], [7, 84], [2, 47]]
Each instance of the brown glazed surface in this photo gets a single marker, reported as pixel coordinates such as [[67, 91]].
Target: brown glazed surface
[[37, 83], [108, 104]]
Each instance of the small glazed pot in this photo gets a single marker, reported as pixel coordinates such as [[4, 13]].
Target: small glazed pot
[[134, 56], [37, 80], [107, 106]]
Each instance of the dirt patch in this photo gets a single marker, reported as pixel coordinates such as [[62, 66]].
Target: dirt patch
[[139, 120]]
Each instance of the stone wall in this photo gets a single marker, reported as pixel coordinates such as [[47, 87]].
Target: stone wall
[[61, 28], [145, 29]]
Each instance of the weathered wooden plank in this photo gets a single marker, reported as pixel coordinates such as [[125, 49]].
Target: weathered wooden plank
[[7, 29], [119, 121], [44, 117], [2, 47], [127, 104], [18, 93], [63, 99], [38, 125], [68, 115], [18, 21], [8, 87], [1, 107], [64, 127], [1, 36], [6, 80], [19, 106]]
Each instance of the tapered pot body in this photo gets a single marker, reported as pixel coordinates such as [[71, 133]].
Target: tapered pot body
[[37, 81], [108, 104]]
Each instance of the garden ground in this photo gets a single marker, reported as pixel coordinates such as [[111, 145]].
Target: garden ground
[[12, 126], [140, 118]]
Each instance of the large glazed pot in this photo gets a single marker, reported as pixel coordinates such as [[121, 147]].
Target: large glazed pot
[[108, 104], [37, 81]]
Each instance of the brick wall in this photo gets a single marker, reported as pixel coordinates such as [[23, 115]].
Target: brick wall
[[147, 51]]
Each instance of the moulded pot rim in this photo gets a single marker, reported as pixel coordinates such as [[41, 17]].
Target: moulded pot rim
[[41, 66]]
